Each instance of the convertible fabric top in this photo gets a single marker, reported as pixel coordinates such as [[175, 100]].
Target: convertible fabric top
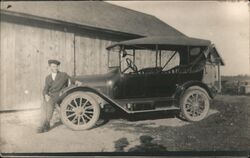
[[167, 42], [148, 42]]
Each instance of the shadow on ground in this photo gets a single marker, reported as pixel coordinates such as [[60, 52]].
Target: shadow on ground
[[146, 145]]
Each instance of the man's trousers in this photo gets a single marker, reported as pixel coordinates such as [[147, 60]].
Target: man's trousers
[[47, 108]]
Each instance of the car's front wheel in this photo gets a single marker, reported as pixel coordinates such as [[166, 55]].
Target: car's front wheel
[[79, 111], [194, 104]]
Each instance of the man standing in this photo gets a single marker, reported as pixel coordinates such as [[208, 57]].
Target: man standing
[[54, 83]]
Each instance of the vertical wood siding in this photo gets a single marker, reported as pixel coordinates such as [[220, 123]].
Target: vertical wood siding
[[91, 55], [25, 51]]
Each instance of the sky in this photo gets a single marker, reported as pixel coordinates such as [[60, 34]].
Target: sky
[[226, 24]]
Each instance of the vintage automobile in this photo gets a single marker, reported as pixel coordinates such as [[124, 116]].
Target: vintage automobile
[[147, 75]]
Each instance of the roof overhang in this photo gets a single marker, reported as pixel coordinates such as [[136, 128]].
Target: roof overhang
[[93, 14], [10, 16]]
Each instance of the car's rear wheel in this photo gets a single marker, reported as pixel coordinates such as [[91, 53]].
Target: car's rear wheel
[[79, 111], [194, 104]]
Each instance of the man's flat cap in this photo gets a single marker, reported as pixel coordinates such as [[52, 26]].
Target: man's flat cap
[[53, 61]]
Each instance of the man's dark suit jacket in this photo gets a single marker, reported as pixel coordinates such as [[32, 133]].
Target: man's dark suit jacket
[[53, 87]]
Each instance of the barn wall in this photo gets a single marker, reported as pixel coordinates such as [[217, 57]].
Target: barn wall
[[91, 54], [24, 54], [27, 45]]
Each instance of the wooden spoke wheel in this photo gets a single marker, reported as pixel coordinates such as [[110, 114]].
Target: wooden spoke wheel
[[79, 111], [194, 104]]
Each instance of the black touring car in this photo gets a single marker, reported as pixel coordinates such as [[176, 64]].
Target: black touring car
[[146, 75]]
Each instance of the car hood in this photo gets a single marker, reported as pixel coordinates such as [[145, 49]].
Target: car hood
[[97, 80]]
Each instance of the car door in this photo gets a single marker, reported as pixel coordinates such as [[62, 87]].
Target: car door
[[160, 84], [151, 84], [132, 85], [167, 84]]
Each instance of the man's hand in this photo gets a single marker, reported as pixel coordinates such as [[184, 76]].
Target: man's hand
[[47, 98], [78, 83]]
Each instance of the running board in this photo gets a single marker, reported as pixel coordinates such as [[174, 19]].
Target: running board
[[140, 105], [122, 103], [141, 100], [154, 110]]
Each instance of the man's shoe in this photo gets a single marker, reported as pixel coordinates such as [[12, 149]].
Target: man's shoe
[[44, 128], [40, 129]]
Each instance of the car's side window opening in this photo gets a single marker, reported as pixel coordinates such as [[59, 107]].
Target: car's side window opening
[[145, 59], [195, 51], [196, 55], [165, 56]]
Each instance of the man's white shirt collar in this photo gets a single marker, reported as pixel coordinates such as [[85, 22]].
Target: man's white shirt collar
[[53, 75]]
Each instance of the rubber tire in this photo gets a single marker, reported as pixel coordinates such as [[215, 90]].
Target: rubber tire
[[91, 99], [186, 94]]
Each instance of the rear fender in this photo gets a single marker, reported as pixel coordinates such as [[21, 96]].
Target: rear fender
[[182, 88]]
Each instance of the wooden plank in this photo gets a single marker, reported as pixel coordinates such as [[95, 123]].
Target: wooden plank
[[104, 56], [20, 62], [32, 93], [68, 55], [5, 29], [7, 66], [3, 43]]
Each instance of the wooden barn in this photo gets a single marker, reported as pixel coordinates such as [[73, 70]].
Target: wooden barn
[[76, 33]]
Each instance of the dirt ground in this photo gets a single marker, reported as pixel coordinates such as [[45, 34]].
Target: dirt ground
[[227, 128]]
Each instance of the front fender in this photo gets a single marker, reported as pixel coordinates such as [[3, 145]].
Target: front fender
[[74, 88]]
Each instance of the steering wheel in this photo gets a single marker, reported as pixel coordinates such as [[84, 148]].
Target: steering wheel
[[130, 65]]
